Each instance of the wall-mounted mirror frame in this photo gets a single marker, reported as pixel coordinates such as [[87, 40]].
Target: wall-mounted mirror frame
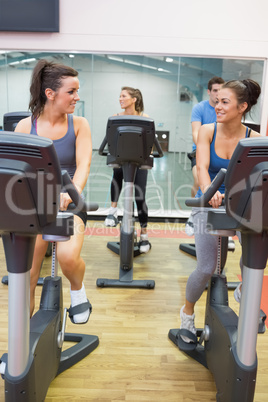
[[170, 85]]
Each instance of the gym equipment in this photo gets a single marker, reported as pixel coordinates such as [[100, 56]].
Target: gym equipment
[[130, 142], [229, 349], [31, 180], [10, 121]]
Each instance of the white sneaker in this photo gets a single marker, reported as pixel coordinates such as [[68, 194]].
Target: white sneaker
[[189, 226], [237, 293], [111, 221], [231, 244], [187, 322], [144, 245]]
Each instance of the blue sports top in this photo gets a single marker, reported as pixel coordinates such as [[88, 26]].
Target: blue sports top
[[203, 112], [65, 147], [216, 163]]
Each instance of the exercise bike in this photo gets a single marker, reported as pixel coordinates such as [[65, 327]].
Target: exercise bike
[[130, 141], [229, 349], [31, 181]]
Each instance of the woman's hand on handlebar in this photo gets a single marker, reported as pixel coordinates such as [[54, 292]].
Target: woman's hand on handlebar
[[65, 200], [216, 200]]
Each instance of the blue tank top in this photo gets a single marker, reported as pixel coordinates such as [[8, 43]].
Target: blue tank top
[[216, 163], [65, 147]]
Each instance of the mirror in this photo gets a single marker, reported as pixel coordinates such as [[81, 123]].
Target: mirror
[[171, 86]]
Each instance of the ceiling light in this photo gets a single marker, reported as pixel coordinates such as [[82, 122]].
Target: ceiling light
[[134, 63], [115, 58], [169, 60], [28, 60], [162, 70], [151, 67]]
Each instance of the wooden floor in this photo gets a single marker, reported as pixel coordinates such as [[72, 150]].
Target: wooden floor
[[135, 360]]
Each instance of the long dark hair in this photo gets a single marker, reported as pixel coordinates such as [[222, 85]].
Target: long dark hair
[[45, 75], [135, 93]]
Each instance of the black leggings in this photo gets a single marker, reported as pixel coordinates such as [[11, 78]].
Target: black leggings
[[140, 190]]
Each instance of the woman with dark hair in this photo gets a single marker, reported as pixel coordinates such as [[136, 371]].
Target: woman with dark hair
[[215, 146], [53, 96], [132, 102]]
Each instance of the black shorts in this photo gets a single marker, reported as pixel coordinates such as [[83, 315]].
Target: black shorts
[[82, 215], [193, 162], [192, 157]]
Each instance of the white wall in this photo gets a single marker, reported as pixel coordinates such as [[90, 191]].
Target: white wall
[[174, 27], [233, 28], [194, 27]]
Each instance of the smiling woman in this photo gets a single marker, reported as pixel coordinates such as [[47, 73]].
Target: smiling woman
[[215, 146], [54, 93], [131, 101]]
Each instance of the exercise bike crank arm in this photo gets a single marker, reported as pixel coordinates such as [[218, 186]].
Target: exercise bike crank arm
[[79, 204], [61, 334], [204, 199]]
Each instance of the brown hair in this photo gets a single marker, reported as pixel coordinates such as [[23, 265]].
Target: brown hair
[[215, 80], [135, 93], [246, 91], [46, 75]]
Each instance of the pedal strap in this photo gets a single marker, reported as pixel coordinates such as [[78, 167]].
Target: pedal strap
[[184, 345], [113, 218], [80, 308]]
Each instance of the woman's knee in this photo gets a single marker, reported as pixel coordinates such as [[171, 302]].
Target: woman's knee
[[67, 259]]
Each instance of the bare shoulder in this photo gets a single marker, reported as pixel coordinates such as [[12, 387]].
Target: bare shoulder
[[206, 131], [24, 126], [80, 123], [255, 134]]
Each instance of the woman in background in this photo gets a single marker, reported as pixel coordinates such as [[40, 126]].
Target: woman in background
[[132, 102]]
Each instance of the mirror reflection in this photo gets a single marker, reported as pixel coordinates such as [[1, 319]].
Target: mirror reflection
[[170, 86]]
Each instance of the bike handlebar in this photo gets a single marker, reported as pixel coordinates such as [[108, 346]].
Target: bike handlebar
[[78, 204], [204, 199]]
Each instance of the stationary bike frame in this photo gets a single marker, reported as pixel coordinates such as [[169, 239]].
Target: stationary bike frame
[[139, 155], [229, 349], [35, 354]]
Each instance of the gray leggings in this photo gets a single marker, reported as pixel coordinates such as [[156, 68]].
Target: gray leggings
[[206, 246]]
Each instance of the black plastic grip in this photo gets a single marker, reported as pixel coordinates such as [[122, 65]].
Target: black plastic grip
[[78, 204], [159, 152], [204, 199], [101, 149]]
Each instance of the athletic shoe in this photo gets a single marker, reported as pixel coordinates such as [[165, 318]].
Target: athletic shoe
[[189, 226], [231, 244], [187, 322], [111, 221], [237, 293], [144, 245]]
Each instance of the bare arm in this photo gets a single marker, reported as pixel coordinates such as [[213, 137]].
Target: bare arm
[[203, 156], [83, 152], [203, 160], [195, 129], [24, 126]]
